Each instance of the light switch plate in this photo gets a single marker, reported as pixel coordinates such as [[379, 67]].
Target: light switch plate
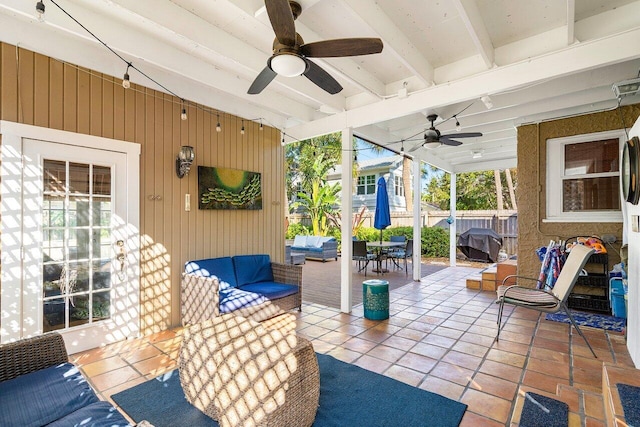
[[635, 223], [187, 202]]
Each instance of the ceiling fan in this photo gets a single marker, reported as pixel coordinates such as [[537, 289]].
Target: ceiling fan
[[433, 137], [291, 55]]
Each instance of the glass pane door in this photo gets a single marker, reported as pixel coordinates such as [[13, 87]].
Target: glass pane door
[[76, 244]]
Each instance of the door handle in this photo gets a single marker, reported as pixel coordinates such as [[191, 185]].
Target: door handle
[[121, 256]]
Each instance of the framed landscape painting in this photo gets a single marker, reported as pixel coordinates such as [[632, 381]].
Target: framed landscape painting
[[221, 188]]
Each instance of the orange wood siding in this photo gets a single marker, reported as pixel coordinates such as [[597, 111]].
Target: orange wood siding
[[38, 90]]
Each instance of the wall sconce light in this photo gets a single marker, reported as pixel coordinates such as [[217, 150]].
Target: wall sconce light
[[184, 160]]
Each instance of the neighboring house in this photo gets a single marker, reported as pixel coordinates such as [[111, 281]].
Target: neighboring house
[[366, 185]]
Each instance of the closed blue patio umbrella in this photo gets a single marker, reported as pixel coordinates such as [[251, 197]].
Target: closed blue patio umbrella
[[382, 218]]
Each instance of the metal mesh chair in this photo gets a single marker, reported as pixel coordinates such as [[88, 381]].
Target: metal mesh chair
[[361, 255], [543, 300], [403, 254]]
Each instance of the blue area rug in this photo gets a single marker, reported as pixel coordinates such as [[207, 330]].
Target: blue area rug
[[541, 411], [630, 399], [349, 396], [594, 320]]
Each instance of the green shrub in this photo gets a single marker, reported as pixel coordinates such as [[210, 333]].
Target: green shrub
[[435, 242], [297, 229]]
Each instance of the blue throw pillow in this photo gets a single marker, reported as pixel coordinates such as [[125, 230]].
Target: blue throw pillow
[[222, 268], [252, 269]]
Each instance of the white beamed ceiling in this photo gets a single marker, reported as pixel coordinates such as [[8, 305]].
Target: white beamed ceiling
[[537, 59]]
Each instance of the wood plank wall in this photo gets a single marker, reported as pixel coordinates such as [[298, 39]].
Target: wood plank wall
[[41, 91]]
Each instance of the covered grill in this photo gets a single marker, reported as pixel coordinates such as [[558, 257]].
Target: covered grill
[[481, 244]]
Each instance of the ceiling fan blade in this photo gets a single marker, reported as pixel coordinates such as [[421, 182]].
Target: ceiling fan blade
[[462, 135], [342, 47], [321, 78], [263, 79], [450, 142], [281, 19], [415, 147]]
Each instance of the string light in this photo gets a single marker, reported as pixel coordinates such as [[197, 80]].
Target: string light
[[126, 83], [40, 11]]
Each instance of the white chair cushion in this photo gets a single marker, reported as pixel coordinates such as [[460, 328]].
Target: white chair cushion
[[300, 241]]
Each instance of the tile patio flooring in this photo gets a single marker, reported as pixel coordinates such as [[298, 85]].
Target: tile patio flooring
[[439, 338]]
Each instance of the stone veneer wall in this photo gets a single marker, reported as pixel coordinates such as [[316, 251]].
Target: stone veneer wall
[[531, 192]]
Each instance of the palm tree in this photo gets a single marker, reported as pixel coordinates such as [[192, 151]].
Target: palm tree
[[319, 199]]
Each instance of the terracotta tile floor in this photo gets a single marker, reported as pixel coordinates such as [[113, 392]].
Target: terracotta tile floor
[[439, 338]]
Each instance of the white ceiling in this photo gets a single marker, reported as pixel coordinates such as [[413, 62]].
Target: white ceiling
[[537, 59]]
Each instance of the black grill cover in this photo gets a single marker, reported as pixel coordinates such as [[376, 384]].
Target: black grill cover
[[480, 244]]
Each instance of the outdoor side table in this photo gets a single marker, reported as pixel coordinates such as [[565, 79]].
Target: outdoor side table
[[375, 299]]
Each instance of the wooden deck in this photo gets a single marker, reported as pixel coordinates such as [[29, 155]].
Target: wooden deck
[[321, 281]]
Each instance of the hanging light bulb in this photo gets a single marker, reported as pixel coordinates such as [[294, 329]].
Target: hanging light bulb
[[40, 11], [458, 127], [242, 128], [126, 83], [183, 115], [261, 127], [218, 127], [402, 146]]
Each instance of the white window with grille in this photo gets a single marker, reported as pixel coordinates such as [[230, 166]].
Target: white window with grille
[[583, 178], [366, 185]]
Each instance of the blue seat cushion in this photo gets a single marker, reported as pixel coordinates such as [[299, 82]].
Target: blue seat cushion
[[252, 269], [233, 299], [98, 414], [222, 268], [271, 290], [44, 396]]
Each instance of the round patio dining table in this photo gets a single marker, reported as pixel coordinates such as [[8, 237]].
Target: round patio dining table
[[380, 246]]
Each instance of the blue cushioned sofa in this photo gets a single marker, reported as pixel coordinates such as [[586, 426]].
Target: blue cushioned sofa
[[39, 387], [316, 247], [250, 286]]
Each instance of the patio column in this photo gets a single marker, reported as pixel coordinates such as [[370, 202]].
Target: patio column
[[346, 299], [453, 197], [417, 225]]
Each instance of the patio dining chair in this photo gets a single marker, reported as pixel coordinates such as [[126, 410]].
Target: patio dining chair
[[361, 255], [404, 254], [546, 301]]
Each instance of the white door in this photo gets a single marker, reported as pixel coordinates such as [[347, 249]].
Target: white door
[[79, 250]]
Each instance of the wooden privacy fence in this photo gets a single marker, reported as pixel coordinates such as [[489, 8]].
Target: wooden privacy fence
[[504, 222]]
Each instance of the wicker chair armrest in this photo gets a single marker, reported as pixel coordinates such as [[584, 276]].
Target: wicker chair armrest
[[199, 298], [31, 354], [332, 244], [287, 273]]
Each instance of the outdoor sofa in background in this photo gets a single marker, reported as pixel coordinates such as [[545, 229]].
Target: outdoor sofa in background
[[316, 247]]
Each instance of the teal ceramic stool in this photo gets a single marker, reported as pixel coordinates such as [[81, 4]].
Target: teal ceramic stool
[[375, 299]]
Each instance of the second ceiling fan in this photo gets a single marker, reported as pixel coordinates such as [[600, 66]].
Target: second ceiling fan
[[291, 55], [432, 136]]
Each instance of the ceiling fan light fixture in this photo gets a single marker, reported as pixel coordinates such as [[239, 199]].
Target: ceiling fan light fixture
[[431, 144], [288, 65]]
